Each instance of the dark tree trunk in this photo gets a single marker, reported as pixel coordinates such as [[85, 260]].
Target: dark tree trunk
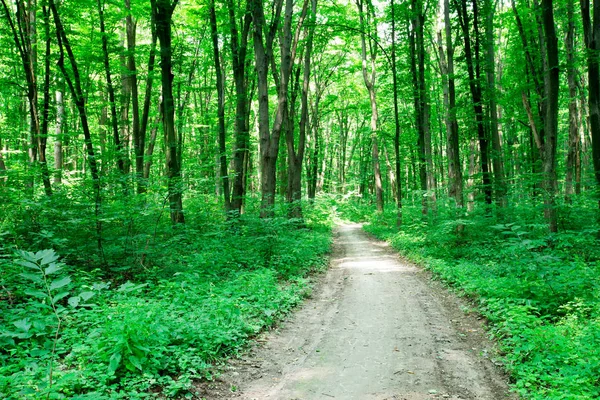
[[269, 139], [220, 108], [455, 177], [551, 84], [239, 45], [79, 99], [473, 62], [496, 153], [111, 91], [369, 27], [591, 33], [162, 14], [574, 143], [397, 163]]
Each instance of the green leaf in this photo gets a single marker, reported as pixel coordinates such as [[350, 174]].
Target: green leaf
[[114, 362], [32, 277], [52, 269], [27, 264], [135, 362], [23, 324], [130, 287], [85, 296], [59, 296], [58, 283], [36, 293], [74, 301], [48, 256]]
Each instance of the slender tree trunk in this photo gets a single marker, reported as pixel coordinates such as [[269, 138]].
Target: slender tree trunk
[[473, 68], [163, 13], [573, 144], [43, 137], [551, 84], [490, 66], [111, 91], [368, 26], [239, 45], [269, 139], [455, 176], [591, 33], [58, 141], [220, 108], [397, 165], [79, 99]]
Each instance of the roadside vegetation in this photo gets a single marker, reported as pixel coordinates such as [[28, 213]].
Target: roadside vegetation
[[539, 291], [158, 312]]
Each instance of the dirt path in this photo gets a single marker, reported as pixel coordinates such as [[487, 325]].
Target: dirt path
[[376, 328]]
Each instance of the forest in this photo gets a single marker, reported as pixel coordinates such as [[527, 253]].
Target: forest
[[171, 174]]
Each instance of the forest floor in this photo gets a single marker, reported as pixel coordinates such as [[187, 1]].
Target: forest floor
[[376, 327]]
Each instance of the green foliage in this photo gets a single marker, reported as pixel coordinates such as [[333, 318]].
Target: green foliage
[[540, 292], [157, 311]]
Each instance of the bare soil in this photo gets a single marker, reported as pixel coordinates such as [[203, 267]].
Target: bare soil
[[376, 327]]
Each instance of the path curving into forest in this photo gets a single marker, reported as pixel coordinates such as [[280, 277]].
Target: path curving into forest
[[375, 328]]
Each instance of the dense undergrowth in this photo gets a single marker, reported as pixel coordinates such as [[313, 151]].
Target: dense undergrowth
[[540, 292], [156, 310]]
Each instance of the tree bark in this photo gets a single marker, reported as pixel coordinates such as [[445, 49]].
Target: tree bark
[[574, 143], [239, 46], [162, 14], [269, 139], [473, 62], [79, 99], [490, 66], [591, 33], [397, 164], [551, 84], [455, 176], [367, 22], [220, 108], [111, 91]]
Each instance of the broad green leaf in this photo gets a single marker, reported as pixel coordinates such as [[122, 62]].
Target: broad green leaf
[[58, 283], [52, 268], [49, 256], [74, 301], [130, 287], [85, 296], [23, 324], [59, 296], [32, 277], [135, 362], [27, 264], [114, 362], [36, 293]]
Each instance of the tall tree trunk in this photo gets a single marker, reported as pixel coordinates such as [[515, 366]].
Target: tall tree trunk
[[473, 68], [162, 14], [59, 139], [490, 66], [551, 84], [455, 176], [591, 33], [79, 99], [573, 144], [369, 27], [220, 108], [239, 45], [397, 164], [111, 91], [421, 105], [23, 30], [296, 157], [263, 52], [43, 137]]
